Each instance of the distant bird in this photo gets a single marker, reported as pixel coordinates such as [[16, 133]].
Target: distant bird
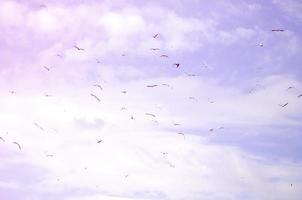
[[2, 139], [164, 56], [154, 49], [12, 92], [19, 146], [210, 101], [99, 141], [299, 96], [150, 114], [155, 36], [176, 124], [176, 64], [49, 155], [260, 44], [97, 60], [124, 92], [38, 126], [47, 68], [123, 54], [278, 30], [190, 74], [171, 165], [123, 108], [180, 133], [47, 95], [211, 129], [290, 87], [283, 105], [126, 176], [151, 86], [291, 185], [193, 98], [97, 98], [59, 55], [98, 85], [164, 153], [132, 117], [78, 48]]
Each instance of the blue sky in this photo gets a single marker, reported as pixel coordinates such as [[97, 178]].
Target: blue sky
[[216, 129]]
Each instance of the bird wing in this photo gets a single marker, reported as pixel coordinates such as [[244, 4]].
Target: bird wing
[[17, 145], [95, 97]]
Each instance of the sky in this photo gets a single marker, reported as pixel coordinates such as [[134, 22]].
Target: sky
[[94, 107]]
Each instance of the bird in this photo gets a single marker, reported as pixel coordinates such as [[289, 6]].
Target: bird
[[176, 64], [171, 165], [1, 138], [59, 55], [97, 60], [176, 124], [210, 101], [278, 30], [193, 98], [16, 143], [38, 126], [132, 117], [97, 98], [78, 48], [155, 36], [283, 105], [291, 185], [47, 95], [190, 74], [180, 133], [164, 56], [123, 108], [123, 54], [126, 176], [154, 49], [150, 114], [260, 44], [98, 85], [299, 96], [47, 68], [151, 86], [124, 91], [12, 92], [49, 155], [211, 129], [99, 141], [290, 87], [164, 153]]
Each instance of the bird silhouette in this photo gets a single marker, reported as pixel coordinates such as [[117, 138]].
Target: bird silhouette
[[1, 138], [193, 98], [123, 108], [99, 141], [155, 36], [290, 87], [47, 68], [283, 105], [12, 92], [78, 48], [124, 91], [98, 85], [278, 30], [150, 114], [154, 49], [38, 126], [164, 56], [299, 96], [97, 98], [19, 146], [176, 64], [180, 133], [151, 86]]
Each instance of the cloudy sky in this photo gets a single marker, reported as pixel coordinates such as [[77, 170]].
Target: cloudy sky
[[79, 122]]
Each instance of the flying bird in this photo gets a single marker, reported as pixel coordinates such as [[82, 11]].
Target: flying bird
[[283, 105], [123, 108], [260, 44], [299, 96], [59, 55], [193, 98], [150, 114], [278, 30], [99, 141], [12, 92], [164, 56], [155, 36], [97, 98], [290, 87], [124, 91], [164, 153], [47, 68], [176, 64], [78, 48], [19, 146], [190, 74], [211, 129], [132, 117], [210, 101], [123, 54], [97, 60], [154, 49], [47, 95], [151, 86], [49, 155], [2, 139], [176, 124], [99, 86], [38, 126], [180, 133]]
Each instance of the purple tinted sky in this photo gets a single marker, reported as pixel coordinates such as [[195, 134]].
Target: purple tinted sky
[[243, 72]]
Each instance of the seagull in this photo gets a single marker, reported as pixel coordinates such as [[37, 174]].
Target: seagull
[[211, 129], [99, 86], [176, 64], [299, 96], [290, 87], [154, 49], [193, 98], [78, 48], [16, 143], [283, 105], [150, 114], [99, 141], [124, 91], [155, 36], [151, 86], [176, 124], [180, 133], [123, 108], [278, 30], [47, 68], [164, 56], [2, 139], [38, 126], [97, 98]]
